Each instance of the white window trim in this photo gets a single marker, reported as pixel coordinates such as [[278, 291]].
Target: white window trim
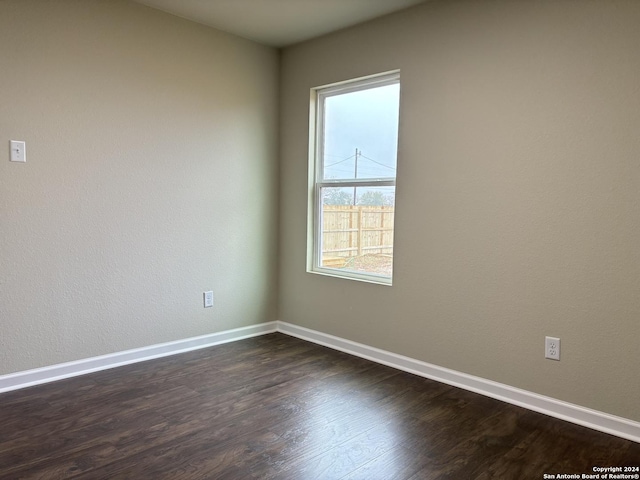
[[317, 182]]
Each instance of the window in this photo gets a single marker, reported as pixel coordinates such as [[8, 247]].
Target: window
[[353, 159]]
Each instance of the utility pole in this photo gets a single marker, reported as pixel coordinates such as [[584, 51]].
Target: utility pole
[[356, 176]]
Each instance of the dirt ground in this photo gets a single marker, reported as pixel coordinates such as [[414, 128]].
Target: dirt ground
[[379, 264]]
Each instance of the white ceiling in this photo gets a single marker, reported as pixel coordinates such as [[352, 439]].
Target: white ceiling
[[279, 23]]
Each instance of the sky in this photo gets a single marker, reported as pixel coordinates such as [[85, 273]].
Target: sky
[[366, 120]]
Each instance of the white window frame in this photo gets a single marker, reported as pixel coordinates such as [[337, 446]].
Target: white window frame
[[317, 180]]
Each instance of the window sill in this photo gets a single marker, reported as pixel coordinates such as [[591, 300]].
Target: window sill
[[352, 275]]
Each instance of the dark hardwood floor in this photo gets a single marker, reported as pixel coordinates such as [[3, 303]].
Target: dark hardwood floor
[[275, 407]]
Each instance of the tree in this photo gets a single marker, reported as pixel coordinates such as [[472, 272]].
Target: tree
[[336, 196], [375, 198]]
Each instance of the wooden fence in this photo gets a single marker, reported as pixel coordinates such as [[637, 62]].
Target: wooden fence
[[350, 231]]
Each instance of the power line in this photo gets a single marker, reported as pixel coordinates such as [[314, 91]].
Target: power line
[[336, 163], [378, 163], [359, 155]]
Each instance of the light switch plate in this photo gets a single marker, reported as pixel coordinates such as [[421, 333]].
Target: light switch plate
[[18, 151]]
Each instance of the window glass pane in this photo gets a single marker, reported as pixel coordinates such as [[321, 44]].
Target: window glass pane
[[361, 133], [357, 236]]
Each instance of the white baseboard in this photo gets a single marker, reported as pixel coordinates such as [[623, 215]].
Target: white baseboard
[[586, 417], [28, 378], [593, 419]]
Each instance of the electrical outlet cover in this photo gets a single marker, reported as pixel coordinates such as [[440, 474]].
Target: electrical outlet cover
[[552, 348], [208, 299]]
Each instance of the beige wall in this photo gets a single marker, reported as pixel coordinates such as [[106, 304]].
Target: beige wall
[[151, 176], [518, 193]]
